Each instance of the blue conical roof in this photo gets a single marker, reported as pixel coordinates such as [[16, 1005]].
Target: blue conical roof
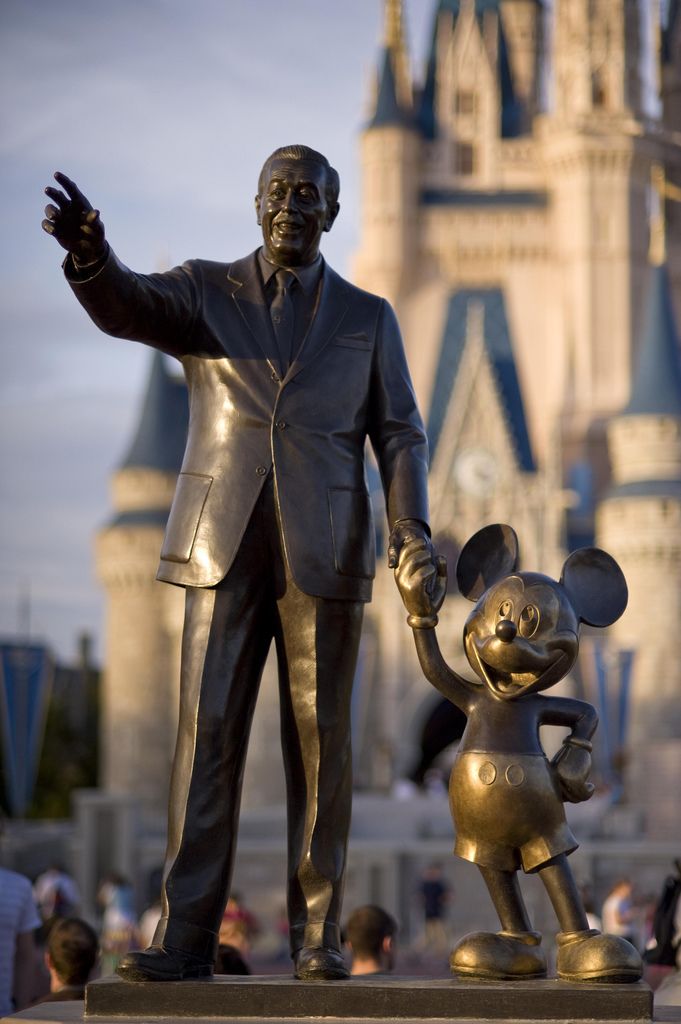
[[162, 429], [499, 349], [389, 110], [656, 389]]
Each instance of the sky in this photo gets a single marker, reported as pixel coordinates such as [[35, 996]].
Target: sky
[[163, 112]]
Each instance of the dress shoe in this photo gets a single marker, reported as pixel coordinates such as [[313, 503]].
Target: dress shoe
[[500, 956], [318, 963], [159, 963]]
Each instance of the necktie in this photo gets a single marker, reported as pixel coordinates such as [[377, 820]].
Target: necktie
[[281, 311]]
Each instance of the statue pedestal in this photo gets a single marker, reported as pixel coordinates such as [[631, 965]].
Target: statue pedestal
[[378, 1000]]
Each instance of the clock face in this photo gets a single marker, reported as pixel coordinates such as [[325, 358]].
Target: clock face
[[476, 472]]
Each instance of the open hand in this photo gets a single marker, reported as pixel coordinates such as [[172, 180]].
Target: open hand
[[73, 222]]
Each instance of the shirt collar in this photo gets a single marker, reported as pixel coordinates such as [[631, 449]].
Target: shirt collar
[[307, 276]]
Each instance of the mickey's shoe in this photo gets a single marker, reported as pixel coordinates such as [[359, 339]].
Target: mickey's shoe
[[159, 963], [319, 963], [589, 956], [500, 956]]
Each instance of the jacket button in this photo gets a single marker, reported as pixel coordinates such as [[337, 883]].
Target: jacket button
[[281, 424], [261, 470]]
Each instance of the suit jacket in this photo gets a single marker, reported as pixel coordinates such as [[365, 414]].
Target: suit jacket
[[247, 417]]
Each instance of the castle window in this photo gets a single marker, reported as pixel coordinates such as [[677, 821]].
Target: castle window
[[598, 93], [464, 102], [464, 158]]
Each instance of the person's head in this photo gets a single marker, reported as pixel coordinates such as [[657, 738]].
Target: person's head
[[71, 952], [433, 871], [297, 201], [234, 932], [370, 933]]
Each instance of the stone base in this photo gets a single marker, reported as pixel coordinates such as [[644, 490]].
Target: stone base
[[373, 998], [378, 1000]]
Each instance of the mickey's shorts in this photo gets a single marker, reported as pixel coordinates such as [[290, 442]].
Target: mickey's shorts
[[507, 811]]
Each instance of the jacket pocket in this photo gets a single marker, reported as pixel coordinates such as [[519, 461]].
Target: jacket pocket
[[361, 341], [352, 532], [183, 522]]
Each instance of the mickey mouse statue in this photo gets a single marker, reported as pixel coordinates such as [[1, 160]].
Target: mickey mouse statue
[[506, 797]]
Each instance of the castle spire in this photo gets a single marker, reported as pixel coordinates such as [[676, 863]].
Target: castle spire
[[162, 428], [392, 36], [394, 42], [394, 95]]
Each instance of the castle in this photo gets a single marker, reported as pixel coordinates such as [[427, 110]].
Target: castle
[[506, 214]]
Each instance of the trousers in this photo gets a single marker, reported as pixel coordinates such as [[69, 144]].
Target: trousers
[[228, 630]]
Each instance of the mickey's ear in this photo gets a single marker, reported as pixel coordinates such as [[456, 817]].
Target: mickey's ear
[[596, 586], [488, 556]]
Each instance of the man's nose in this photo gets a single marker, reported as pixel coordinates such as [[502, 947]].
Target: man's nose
[[289, 202], [506, 630]]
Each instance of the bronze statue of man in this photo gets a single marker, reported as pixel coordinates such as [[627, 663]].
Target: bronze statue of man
[[289, 369]]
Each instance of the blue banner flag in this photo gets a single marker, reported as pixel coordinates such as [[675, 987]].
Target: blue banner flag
[[26, 674]]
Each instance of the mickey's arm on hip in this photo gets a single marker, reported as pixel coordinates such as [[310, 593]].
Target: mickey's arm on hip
[[421, 578], [572, 763]]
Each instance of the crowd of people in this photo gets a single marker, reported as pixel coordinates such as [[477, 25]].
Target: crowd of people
[[48, 953]]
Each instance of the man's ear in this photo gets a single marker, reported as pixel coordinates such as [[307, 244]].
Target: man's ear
[[331, 214], [387, 944], [257, 209]]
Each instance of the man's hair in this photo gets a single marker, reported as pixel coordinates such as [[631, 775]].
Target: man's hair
[[366, 929], [303, 153], [72, 946]]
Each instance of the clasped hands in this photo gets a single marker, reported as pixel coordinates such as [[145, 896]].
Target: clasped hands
[[421, 577]]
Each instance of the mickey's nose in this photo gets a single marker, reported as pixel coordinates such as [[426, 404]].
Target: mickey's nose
[[506, 630]]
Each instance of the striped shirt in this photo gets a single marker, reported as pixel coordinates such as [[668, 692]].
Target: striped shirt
[[18, 914]]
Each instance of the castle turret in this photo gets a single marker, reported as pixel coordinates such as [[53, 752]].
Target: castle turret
[[602, 135], [390, 150], [144, 618], [639, 522]]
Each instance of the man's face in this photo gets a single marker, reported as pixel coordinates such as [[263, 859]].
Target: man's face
[[293, 212]]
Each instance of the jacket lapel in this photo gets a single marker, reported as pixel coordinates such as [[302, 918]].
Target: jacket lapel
[[333, 304], [247, 292]]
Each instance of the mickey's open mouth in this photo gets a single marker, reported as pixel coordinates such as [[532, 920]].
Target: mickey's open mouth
[[509, 685]]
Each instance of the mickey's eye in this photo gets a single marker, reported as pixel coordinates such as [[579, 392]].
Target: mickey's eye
[[506, 610], [529, 621]]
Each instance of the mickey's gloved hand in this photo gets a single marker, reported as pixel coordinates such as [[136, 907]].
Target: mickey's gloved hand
[[572, 765], [422, 582]]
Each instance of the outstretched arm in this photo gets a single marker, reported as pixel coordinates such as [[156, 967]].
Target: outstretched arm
[[158, 309], [422, 586]]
